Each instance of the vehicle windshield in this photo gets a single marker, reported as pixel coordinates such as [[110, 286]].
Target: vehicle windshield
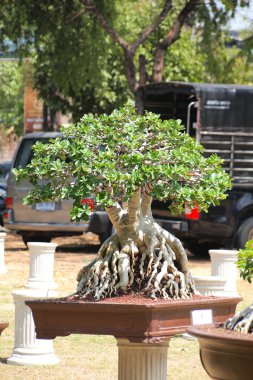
[[4, 169], [26, 153]]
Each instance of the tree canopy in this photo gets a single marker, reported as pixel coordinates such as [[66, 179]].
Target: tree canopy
[[93, 55], [113, 155], [11, 96], [126, 160]]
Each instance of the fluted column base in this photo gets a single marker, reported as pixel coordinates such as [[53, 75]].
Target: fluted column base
[[223, 264], [142, 361], [27, 349], [210, 285], [41, 271], [26, 358]]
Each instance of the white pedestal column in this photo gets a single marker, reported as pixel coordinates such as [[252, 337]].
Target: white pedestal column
[[27, 349], [3, 268], [223, 264], [41, 266], [141, 361], [210, 285]]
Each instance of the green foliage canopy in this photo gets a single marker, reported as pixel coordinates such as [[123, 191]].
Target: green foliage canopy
[[11, 96], [113, 155], [80, 68], [245, 261]]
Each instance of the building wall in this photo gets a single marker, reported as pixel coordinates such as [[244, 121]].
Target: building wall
[[8, 146]]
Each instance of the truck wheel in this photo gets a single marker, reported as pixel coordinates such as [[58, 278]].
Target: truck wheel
[[36, 238], [104, 236], [244, 233]]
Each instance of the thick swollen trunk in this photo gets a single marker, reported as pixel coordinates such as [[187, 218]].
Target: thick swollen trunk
[[139, 257]]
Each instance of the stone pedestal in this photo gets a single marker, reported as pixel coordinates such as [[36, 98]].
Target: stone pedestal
[[27, 349], [41, 266], [223, 264], [210, 285], [141, 361], [3, 268]]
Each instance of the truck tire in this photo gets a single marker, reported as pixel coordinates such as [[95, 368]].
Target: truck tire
[[104, 236], [35, 238], [244, 233]]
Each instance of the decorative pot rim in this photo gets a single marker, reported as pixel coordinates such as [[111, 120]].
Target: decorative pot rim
[[3, 326], [224, 335], [146, 303]]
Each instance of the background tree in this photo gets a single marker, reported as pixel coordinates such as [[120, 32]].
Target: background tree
[[93, 55], [126, 160], [11, 95]]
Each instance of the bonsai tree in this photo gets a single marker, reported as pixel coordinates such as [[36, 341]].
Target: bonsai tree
[[243, 322], [126, 160]]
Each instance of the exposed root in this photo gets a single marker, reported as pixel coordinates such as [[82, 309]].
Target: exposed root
[[157, 267], [242, 322]]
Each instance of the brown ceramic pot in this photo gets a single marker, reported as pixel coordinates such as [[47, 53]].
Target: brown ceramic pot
[[3, 326], [225, 354], [139, 320]]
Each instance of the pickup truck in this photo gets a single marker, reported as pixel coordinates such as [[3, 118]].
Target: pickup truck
[[220, 117], [46, 220]]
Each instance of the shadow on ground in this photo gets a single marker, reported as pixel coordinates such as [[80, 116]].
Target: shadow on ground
[[73, 248], [200, 251]]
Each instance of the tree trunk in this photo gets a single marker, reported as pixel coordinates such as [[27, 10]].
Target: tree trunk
[[138, 99], [140, 257], [157, 74], [130, 70]]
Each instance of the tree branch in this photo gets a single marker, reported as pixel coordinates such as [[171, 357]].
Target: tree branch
[[115, 213], [129, 50], [75, 16], [145, 33], [128, 53], [92, 9], [134, 206], [172, 36], [146, 204], [130, 70], [175, 31], [142, 70]]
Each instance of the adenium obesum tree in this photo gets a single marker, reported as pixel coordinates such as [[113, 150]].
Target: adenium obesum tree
[[243, 321], [126, 160]]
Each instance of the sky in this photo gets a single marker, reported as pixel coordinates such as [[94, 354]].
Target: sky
[[243, 18]]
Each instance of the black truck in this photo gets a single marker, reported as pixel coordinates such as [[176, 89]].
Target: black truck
[[220, 117]]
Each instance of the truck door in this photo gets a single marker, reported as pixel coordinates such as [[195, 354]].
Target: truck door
[[191, 123]]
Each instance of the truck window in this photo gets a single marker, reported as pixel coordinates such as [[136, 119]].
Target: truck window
[[173, 103], [25, 152]]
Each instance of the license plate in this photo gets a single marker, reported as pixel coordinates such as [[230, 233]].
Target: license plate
[[45, 206], [176, 226]]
